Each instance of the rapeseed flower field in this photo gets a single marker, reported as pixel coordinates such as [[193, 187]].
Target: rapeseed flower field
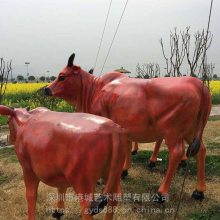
[[215, 91], [15, 89], [29, 94]]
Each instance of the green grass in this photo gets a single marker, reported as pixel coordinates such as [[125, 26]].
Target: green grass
[[8, 155], [216, 99], [211, 214], [214, 118], [3, 120], [3, 179]]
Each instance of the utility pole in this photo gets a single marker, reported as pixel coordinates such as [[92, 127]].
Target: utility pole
[[27, 63]]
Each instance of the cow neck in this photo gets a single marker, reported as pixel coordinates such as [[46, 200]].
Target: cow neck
[[87, 92]]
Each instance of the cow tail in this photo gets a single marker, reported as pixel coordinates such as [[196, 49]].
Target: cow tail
[[202, 118], [119, 150]]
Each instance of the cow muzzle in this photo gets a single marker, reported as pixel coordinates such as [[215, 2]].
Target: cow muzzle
[[47, 91]]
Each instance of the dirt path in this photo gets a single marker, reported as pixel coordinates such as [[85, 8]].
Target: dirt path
[[215, 110]]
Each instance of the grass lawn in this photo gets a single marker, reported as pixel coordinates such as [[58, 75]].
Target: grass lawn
[[139, 182]]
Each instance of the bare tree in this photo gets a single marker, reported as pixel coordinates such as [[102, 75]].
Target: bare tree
[[148, 70], [5, 70], [176, 55], [201, 43], [180, 47], [206, 71]]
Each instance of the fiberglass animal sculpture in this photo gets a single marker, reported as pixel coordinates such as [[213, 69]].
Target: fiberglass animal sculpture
[[68, 150], [175, 109]]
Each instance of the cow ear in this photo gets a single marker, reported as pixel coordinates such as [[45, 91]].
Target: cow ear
[[70, 61], [91, 70], [4, 110]]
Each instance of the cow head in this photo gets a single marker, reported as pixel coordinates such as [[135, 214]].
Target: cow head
[[68, 83], [16, 118]]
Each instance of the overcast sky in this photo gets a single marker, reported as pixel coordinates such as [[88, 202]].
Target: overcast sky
[[46, 32]]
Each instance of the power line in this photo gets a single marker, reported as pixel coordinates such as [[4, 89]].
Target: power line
[[206, 37], [114, 37], [102, 34]]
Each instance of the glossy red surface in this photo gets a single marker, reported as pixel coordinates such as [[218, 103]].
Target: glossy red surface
[[67, 149], [174, 109]]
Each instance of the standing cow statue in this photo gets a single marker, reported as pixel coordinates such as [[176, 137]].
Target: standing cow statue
[[68, 150], [150, 110]]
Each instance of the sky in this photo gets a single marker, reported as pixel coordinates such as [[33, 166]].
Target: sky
[[46, 32]]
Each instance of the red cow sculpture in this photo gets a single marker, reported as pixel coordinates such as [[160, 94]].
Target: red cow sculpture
[[68, 150], [174, 109]]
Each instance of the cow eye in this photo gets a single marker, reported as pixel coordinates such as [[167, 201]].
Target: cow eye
[[61, 78]]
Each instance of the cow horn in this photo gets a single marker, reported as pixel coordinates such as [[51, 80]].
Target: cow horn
[[71, 59], [4, 110], [91, 70]]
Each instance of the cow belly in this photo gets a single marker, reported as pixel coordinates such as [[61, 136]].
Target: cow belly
[[143, 136], [140, 129], [51, 177], [56, 181]]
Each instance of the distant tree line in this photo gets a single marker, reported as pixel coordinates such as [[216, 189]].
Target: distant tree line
[[32, 78]]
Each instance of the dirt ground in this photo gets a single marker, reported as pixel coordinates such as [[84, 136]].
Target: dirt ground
[[140, 181]]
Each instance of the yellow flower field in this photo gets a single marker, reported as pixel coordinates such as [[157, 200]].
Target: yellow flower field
[[215, 87], [24, 87], [33, 87]]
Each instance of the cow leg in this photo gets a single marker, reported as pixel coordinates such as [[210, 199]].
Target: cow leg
[[201, 186], [58, 213], [175, 155], [110, 210], [153, 158], [112, 203], [85, 210], [31, 185], [127, 163], [84, 189], [134, 148]]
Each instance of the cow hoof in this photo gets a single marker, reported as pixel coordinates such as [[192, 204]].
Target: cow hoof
[[124, 174], [98, 205], [151, 165], [182, 164], [57, 215], [198, 195], [134, 152]]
